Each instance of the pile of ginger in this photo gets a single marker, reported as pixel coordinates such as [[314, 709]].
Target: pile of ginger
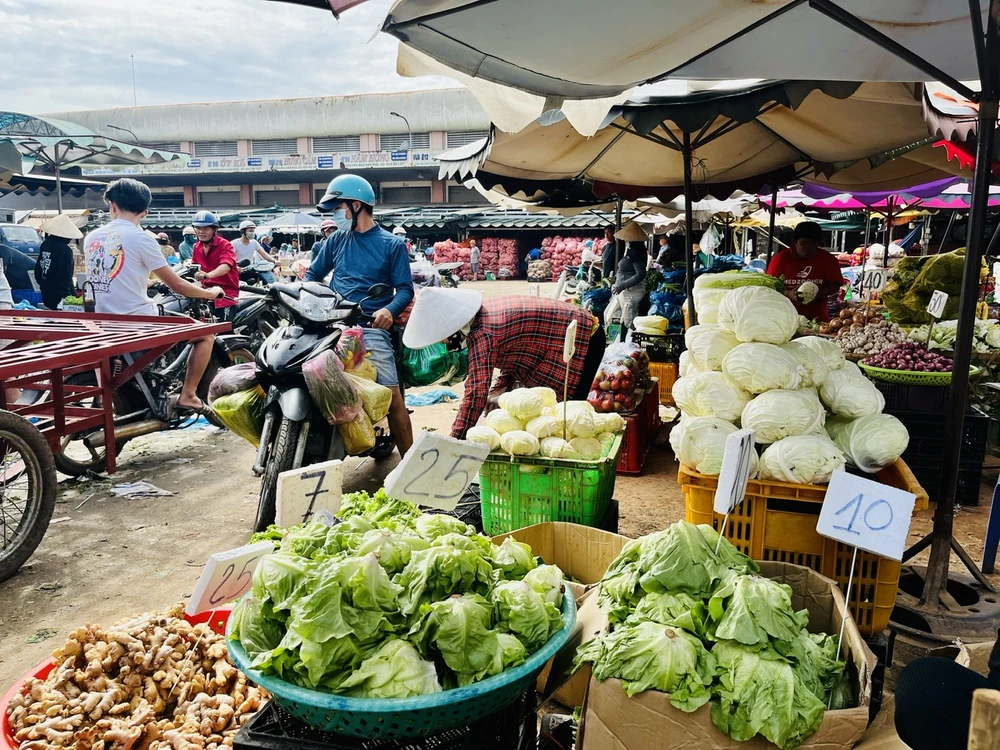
[[155, 682]]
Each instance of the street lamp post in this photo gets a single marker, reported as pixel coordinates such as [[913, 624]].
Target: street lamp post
[[409, 135], [124, 130]]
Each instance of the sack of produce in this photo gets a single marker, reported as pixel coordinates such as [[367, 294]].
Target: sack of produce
[[914, 280], [762, 367], [802, 459], [707, 345], [700, 442], [428, 366], [243, 412], [759, 313], [812, 366], [485, 435], [331, 388], [351, 347], [366, 370], [358, 436], [375, 399], [502, 421], [848, 393], [231, 379], [871, 443], [781, 413], [829, 350], [710, 394]]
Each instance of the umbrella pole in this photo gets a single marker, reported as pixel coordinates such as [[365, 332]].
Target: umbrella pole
[[888, 233], [770, 225], [688, 230], [942, 539]]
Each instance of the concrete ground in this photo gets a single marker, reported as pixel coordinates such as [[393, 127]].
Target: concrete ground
[[105, 557]]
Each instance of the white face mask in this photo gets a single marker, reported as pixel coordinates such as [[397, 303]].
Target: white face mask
[[250, 235], [340, 219]]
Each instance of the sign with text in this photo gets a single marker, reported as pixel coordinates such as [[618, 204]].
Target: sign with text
[[302, 493], [227, 576], [736, 463], [866, 514], [874, 279], [436, 471], [936, 306]]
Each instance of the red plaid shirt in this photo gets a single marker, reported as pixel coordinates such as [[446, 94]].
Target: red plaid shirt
[[523, 338]]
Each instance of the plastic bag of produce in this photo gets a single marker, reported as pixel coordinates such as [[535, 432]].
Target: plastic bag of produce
[[556, 447], [589, 449], [502, 421], [543, 427], [710, 394], [522, 403], [427, 366], [700, 442], [331, 388], [762, 367], [519, 443], [780, 413], [608, 423], [812, 366], [707, 345], [242, 412], [828, 349], [358, 436], [485, 435], [801, 459], [232, 379], [366, 370], [758, 313], [870, 443], [848, 394], [375, 398], [351, 347]]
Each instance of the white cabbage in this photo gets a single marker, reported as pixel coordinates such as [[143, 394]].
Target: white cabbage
[[607, 440], [543, 427], [780, 413], [710, 394], [502, 421], [556, 447], [550, 411], [828, 349], [548, 396], [801, 459], [485, 435], [762, 367], [758, 313], [608, 422], [519, 443], [686, 365], [522, 403], [579, 419], [708, 345], [852, 367], [706, 303], [700, 442], [588, 448], [849, 395], [813, 367], [870, 443]]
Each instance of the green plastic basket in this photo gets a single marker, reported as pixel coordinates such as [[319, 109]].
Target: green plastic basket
[[411, 718], [910, 377], [530, 489]]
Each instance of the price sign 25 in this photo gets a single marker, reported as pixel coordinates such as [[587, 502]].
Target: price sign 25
[[436, 471], [227, 576]]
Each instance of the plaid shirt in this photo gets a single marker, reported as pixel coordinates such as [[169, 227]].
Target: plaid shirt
[[523, 338]]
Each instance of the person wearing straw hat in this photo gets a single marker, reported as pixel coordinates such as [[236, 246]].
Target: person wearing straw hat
[[521, 336], [54, 267], [630, 278]]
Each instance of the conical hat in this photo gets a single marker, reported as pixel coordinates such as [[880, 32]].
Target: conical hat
[[632, 232], [61, 226], [438, 313]]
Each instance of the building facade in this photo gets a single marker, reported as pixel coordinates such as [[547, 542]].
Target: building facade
[[285, 151]]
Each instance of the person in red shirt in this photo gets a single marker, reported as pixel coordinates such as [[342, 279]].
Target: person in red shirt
[[807, 261], [217, 258]]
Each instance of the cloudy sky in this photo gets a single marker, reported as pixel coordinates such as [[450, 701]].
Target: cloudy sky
[[75, 54]]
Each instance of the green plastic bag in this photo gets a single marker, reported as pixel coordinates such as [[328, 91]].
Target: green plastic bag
[[243, 413], [427, 366]]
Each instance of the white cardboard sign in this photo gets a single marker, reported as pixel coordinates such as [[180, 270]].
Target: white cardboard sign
[[874, 279], [936, 306], [226, 577], [303, 492], [866, 514], [735, 471], [533, 290], [436, 471]]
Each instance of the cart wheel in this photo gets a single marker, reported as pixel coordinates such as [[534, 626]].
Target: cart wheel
[[27, 491]]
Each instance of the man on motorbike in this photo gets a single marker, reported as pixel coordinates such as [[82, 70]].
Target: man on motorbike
[[186, 248], [121, 256], [361, 255], [217, 259], [247, 248], [328, 227]]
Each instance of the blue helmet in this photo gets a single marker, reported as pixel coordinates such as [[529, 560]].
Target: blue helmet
[[205, 219], [346, 187]]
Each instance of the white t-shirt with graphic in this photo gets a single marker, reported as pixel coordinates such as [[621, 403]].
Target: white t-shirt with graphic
[[120, 257], [248, 251]]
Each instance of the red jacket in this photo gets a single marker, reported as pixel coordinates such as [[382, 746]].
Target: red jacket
[[219, 251]]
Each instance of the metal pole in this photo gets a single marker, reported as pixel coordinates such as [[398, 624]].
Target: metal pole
[[619, 244], [888, 233], [770, 226], [947, 232], [688, 229], [59, 195], [941, 546]]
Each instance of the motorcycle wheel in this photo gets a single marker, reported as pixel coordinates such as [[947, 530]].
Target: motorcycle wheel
[[448, 282], [27, 491], [279, 459], [241, 356], [74, 456]]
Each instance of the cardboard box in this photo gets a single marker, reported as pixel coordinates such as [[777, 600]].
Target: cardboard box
[[613, 721]]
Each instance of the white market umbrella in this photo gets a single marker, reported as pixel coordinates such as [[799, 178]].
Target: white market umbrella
[[293, 222]]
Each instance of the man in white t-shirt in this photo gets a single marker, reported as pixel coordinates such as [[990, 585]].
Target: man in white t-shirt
[[120, 258], [247, 248]]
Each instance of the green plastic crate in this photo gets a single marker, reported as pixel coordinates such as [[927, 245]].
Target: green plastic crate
[[530, 490]]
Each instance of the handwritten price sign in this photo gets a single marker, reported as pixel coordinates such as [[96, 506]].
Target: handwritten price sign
[[227, 576], [436, 471], [866, 514], [303, 493], [735, 472], [936, 306], [874, 279]]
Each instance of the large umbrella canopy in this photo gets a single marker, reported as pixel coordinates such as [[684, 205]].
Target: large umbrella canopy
[[292, 222]]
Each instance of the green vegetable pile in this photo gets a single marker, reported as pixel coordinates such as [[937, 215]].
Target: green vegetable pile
[[394, 603], [914, 280], [705, 627], [985, 336]]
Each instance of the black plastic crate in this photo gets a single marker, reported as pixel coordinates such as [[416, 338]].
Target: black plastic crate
[[513, 728], [666, 348], [929, 476], [927, 438], [468, 509], [932, 399]]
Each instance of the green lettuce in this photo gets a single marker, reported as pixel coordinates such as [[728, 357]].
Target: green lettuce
[[748, 609], [547, 581], [514, 559], [395, 670], [392, 549], [814, 659], [328, 664], [305, 540], [679, 559], [431, 526], [458, 628], [279, 577], [438, 572], [256, 625], [520, 610], [680, 610]]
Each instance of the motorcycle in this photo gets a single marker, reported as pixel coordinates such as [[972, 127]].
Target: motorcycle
[[449, 274], [254, 318], [252, 271], [294, 432]]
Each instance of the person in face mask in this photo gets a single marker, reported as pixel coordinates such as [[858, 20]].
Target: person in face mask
[[361, 255], [186, 248], [247, 248]]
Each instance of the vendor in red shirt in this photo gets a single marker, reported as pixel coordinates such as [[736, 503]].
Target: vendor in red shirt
[[807, 261], [217, 259]]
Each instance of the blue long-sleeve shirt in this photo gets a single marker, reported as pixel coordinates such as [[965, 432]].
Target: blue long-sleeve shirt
[[361, 259]]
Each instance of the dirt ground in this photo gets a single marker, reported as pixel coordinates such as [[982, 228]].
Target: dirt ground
[[105, 557]]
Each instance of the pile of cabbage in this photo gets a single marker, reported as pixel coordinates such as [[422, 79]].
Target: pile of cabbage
[[812, 411], [706, 628], [394, 603], [530, 422]]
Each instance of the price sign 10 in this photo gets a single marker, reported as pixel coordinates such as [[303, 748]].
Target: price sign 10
[[227, 576], [436, 471], [866, 514]]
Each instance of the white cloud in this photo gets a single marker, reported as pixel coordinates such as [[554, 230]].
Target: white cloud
[[75, 54]]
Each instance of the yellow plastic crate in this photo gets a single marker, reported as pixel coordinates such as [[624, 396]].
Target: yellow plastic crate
[[777, 521], [666, 374]]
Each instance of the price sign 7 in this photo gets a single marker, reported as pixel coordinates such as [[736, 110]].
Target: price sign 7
[[735, 473], [866, 514], [874, 279], [436, 471], [227, 576], [936, 306], [304, 492]]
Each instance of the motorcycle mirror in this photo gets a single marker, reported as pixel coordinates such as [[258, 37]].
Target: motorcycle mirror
[[378, 290]]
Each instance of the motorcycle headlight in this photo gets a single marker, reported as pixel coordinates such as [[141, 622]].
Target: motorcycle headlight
[[318, 309]]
